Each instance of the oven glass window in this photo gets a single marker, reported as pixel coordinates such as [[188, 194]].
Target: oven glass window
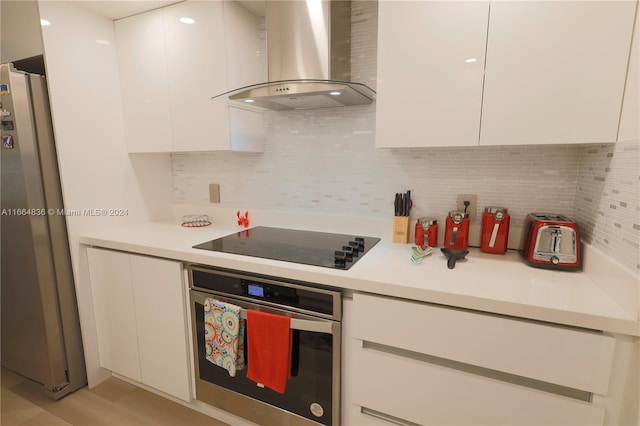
[[309, 390]]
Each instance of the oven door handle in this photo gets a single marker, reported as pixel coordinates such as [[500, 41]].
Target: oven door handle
[[319, 326], [315, 326]]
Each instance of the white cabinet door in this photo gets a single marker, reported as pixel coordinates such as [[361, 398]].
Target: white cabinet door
[[143, 80], [112, 289], [430, 70], [196, 64], [630, 119], [580, 359], [172, 61], [555, 71], [413, 389], [141, 319], [161, 324], [246, 47], [353, 414], [478, 369]]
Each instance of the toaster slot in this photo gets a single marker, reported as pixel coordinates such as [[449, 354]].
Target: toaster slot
[[556, 244]]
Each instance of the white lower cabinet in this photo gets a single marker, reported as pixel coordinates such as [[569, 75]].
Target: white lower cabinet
[[140, 319], [352, 414], [415, 363]]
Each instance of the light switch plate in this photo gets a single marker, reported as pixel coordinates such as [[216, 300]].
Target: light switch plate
[[214, 193]]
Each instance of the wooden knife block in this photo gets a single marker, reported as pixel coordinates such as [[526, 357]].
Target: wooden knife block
[[401, 229]]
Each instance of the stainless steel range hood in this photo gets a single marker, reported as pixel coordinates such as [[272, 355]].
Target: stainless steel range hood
[[309, 54]]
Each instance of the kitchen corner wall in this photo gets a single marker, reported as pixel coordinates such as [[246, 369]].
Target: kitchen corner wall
[[325, 161], [607, 205]]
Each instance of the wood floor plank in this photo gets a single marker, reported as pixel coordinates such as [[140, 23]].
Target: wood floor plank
[[44, 418], [113, 389], [16, 410], [163, 412], [112, 403], [9, 378], [79, 408]]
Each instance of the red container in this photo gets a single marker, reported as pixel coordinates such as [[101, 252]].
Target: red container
[[456, 231], [495, 230], [426, 232]]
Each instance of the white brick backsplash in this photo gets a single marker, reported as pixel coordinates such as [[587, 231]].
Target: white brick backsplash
[[325, 161]]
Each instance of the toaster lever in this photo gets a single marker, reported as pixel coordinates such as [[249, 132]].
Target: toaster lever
[[556, 236]]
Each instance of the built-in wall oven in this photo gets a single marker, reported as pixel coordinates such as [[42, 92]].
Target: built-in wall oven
[[312, 394]]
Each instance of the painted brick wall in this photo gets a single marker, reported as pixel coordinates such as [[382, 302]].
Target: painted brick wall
[[325, 161]]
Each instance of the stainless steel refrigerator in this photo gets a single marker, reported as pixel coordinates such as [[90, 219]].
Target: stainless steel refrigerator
[[41, 337]]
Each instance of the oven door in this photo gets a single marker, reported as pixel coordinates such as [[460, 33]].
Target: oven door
[[312, 394]]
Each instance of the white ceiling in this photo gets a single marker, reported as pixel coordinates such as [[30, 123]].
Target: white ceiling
[[116, 9]]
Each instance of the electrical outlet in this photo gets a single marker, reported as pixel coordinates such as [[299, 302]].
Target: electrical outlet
[[471, 209], [214, 193]]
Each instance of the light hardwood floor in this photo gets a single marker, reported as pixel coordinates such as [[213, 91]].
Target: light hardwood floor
[[112, 403]]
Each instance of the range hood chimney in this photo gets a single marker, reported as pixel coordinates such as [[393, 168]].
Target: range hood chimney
[[309, 53]]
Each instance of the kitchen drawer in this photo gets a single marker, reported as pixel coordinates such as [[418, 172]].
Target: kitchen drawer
[[362, 416], [574, 358], [418, 392]]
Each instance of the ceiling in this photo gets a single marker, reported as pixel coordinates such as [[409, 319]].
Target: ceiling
[[116, 9], [121, 8]]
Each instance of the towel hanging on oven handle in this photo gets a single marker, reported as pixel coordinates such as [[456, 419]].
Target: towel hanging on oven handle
[[316, 326]]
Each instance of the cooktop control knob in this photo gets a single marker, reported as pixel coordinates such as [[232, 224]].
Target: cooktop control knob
[[340, 259], [358, 246], [348, 251]]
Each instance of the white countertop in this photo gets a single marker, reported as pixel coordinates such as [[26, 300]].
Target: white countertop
[[501, 284]]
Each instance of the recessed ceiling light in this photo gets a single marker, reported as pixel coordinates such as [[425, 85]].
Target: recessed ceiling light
[[44, 23], [471, 60], [249, 100], [187, 21], [335, 93]]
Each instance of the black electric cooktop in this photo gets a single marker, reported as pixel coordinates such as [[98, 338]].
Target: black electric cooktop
[[338, 251]]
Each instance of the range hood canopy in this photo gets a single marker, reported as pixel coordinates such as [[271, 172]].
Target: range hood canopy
[[299, 94], [309, 53]]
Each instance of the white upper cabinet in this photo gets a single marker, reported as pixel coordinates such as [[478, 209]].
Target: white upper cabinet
[[505, 73], [246, 46], [555, 71], [143, 79], [630, 119], [172, 61], [196, 68], [430, 70]]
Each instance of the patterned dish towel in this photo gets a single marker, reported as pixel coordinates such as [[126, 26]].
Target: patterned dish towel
[[418, 253], [224, 335]]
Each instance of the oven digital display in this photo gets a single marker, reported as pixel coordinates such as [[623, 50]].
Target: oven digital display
[[255, 290]]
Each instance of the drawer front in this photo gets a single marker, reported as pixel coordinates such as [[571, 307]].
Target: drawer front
[[567, 357], [418, 392], [354, 415]]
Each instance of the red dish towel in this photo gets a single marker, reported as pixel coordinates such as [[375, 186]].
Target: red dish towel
[[269, 349]]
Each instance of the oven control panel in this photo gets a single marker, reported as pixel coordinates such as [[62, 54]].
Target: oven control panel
[[268, 289]]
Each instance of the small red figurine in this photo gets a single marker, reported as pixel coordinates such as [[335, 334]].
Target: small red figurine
[[243, 220]]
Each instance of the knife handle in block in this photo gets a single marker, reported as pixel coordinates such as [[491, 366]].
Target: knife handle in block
[[401, 229]]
